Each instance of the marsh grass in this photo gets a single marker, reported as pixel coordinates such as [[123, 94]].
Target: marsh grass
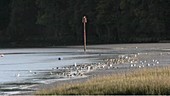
[[148, 81]]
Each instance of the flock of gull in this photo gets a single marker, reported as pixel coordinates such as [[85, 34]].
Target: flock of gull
[[78, 70]]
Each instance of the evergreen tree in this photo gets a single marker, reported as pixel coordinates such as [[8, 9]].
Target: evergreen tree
[[22, 20], [60, 21]]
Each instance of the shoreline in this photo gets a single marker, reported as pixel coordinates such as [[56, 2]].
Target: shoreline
[[146, 56], [82, 72], [122, 64], [140, 58]]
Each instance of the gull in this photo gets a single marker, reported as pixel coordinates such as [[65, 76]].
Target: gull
[[18, 75], [143, 65], [153, 60], [88, 68], [134, 65], [126, 57], [1, 55], [148, 64], [75, 64], [139, 66], [141, 62]]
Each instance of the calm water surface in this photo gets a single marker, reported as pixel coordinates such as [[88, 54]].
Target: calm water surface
[[20, 64]]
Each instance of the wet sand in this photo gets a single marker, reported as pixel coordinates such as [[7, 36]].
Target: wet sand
[[129, 58], [120, 64]]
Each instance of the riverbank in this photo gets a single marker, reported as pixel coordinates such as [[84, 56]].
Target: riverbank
[[148, 81], [77, 66], [109, 67]]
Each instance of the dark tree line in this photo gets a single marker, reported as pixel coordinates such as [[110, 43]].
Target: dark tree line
[[59, 22]]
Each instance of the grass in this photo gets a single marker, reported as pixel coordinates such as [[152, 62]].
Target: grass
[[148, 81]]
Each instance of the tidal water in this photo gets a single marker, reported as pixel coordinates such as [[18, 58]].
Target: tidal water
[[21, 66]]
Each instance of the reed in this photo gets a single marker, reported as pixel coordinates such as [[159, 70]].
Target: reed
[[148, 81]]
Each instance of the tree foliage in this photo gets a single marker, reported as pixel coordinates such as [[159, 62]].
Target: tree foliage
[[22, 20], [109, 21]]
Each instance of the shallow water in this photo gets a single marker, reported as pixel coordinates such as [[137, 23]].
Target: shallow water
[[24, 65], [20, 64], [27, 66]]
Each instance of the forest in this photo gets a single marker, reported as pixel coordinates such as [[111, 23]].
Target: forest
[[38, 23]]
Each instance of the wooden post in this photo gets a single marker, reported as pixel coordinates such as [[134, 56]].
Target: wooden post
[[84, 20]]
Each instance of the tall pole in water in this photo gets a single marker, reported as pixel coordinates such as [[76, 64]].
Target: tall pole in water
[[84, 20]]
